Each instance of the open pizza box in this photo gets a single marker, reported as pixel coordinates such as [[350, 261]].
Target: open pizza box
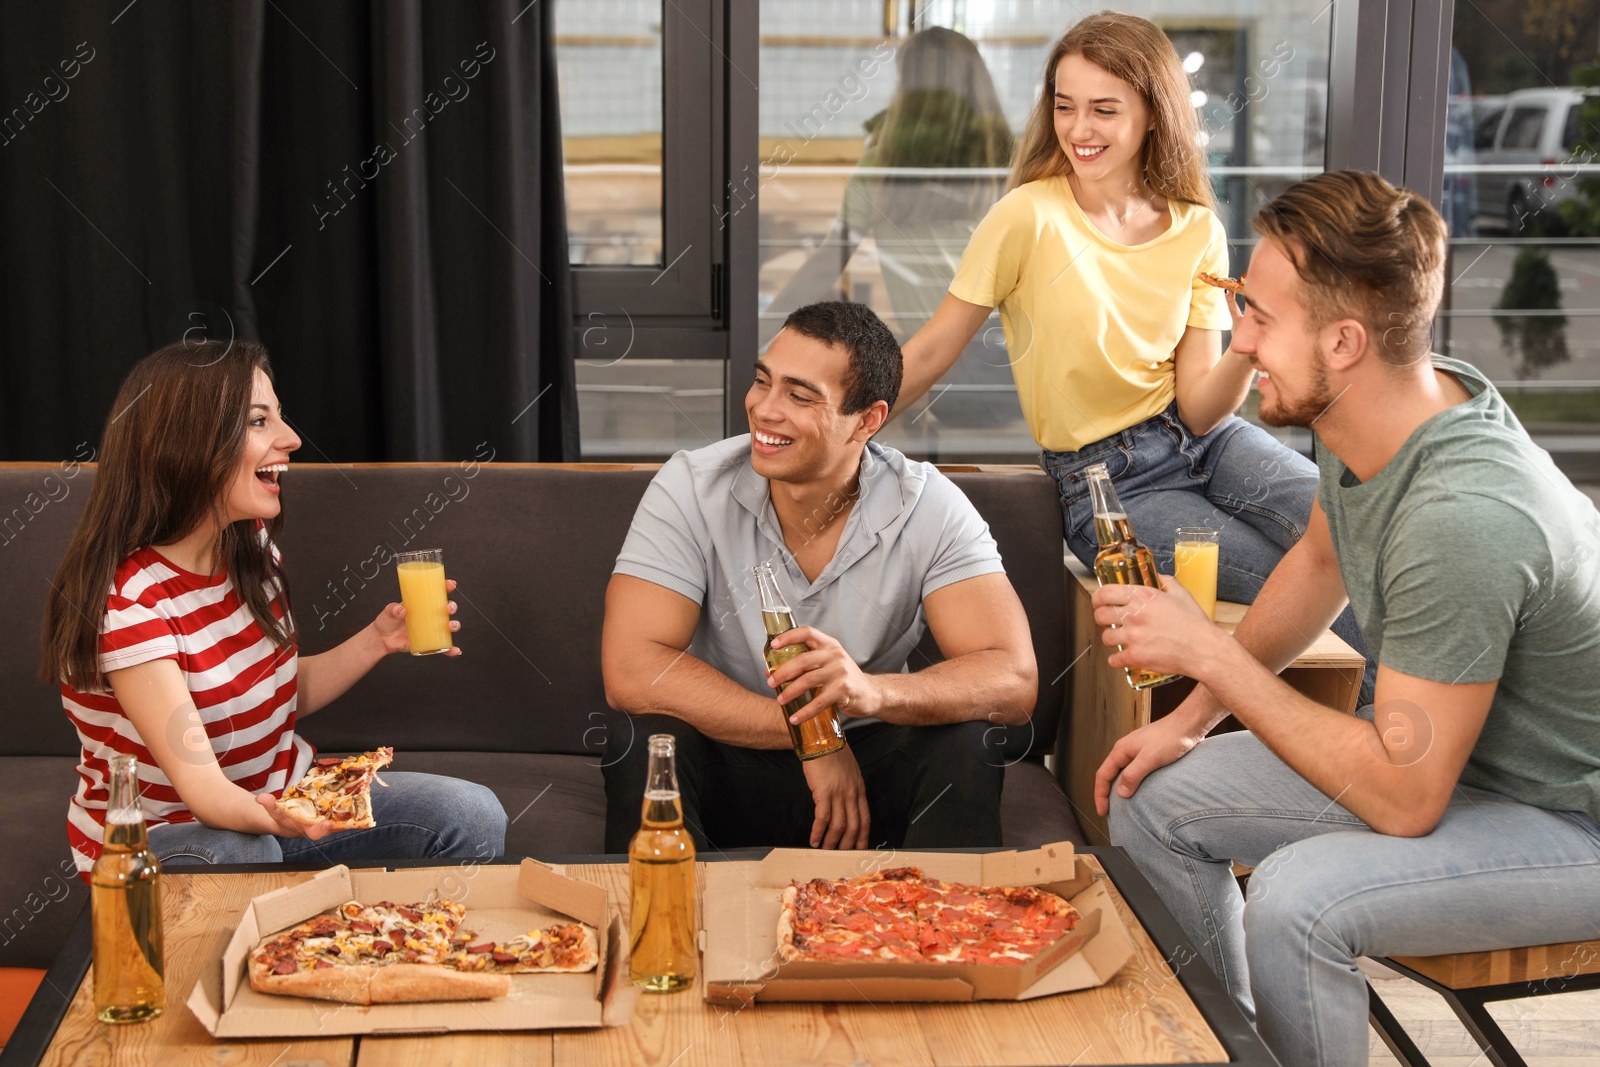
[[743, 900], [501, 901]]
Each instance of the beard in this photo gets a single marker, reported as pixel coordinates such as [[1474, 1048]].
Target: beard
[[1303, 410]]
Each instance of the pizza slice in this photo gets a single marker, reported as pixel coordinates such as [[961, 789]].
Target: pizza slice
[[338, 790], [871, 918], [568, 948], [330, 958], [413, 932], [1003, 925], [1233, 285]]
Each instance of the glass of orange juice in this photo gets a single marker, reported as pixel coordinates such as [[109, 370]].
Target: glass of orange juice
[[1194, 555], [422, 591]]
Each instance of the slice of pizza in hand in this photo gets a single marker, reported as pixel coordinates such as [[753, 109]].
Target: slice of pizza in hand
[[338, 790], [1233, 285]]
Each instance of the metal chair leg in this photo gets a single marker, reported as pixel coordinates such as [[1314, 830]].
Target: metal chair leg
[[1484, 1030], [1393, 1034]]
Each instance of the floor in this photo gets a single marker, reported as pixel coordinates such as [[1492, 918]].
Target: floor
[[1553, 1031]]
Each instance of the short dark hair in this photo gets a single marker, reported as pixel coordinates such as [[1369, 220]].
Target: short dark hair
[[875, 362]]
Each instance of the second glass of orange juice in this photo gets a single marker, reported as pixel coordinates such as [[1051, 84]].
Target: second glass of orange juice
[[1194, 557], [422, 591]]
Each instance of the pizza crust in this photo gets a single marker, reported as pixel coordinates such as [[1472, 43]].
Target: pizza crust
[[347, 985], [787, 952], [410, 983]]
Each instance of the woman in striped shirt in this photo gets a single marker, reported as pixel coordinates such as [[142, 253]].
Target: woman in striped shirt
[[169, 629]]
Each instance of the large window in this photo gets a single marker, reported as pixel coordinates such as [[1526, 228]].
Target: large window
[[1522, 195], [642, 110], [879, 211], [704, 134]]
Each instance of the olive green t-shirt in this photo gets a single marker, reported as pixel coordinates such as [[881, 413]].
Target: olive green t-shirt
[[1470, 558]]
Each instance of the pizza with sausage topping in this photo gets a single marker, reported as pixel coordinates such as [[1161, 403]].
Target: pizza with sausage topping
[[338, 790], [899, 916], [390, 953]]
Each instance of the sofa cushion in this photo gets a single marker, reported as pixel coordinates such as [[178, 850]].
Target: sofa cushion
[[555, 805], [1033, 809], [40, 891], [1023, 510], [39, 507]]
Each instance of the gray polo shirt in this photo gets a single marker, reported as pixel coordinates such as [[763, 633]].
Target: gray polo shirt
[[707, 520]]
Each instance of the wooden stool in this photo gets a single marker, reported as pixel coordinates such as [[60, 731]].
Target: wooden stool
[[1469, 980], [1104, 707]]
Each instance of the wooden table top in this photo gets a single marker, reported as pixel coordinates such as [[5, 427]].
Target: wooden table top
[[1143, 1016]]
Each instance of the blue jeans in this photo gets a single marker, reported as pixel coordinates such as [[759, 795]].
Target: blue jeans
[[1237, 479], [1495, 873], [420, 816]]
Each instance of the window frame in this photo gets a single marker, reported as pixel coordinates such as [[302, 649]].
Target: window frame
[[659, 305]]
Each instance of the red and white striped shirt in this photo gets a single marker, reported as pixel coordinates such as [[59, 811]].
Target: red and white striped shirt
[[243, 685]]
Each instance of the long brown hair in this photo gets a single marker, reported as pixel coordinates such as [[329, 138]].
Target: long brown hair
[[1135, 50], [171, 446]]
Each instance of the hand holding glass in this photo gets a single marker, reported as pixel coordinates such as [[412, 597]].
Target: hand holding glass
[[1194, 557], [422, 591]]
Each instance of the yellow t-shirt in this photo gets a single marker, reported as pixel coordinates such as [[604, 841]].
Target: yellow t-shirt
[[1091, 325]]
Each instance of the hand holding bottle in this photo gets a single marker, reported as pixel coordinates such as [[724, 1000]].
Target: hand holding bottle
[[1161, 632], [829, 674]]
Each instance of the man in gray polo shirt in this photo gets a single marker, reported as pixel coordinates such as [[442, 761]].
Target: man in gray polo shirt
[[1459, 813], [871, 548]]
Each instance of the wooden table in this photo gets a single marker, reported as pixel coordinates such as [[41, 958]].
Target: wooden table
[[1105, 707], [1151, 1013]]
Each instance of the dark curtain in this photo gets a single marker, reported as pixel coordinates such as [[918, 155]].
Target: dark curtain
[[373, 190]]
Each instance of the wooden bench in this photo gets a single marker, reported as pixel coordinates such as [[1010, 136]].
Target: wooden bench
[[1469, 980], [1104, 707]]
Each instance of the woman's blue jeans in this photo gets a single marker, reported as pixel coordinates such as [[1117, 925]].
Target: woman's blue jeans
[[420, 816], [1237, 478]]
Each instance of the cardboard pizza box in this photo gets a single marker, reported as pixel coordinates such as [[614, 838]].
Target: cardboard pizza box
[[743, 900], [501, 901]]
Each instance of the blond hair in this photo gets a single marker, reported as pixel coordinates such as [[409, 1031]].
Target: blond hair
[[1135, 50], [1364, 250]]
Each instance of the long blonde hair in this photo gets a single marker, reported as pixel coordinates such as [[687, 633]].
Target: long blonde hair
[[1135, 50]]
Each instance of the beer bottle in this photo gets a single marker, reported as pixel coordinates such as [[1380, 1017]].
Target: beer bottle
[[823, 733], [125, 908], [661, 881], [1122, 560]]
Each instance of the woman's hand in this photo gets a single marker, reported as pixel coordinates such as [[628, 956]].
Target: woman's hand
[[283, 826], [390, 625]]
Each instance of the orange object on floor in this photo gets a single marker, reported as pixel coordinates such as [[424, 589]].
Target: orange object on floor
[[17, 986]]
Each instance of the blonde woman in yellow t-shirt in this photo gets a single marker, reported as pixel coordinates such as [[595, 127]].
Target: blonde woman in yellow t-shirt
[[1093, 259]]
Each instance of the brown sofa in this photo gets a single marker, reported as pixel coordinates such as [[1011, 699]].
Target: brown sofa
[[522, 711]]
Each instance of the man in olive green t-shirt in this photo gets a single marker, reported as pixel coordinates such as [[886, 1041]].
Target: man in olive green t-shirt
[[1461, 812]]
